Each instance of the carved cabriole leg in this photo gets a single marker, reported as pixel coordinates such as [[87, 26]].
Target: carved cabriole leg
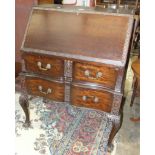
[[115, 111], [116, 126], [24, 102], [116, 118]]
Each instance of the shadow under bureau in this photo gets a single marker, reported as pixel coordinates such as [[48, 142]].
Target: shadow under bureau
[[76, 56]]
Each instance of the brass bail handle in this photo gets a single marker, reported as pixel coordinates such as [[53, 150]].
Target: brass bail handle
[[49, 90], [98, 75], [95, 99], [48, 66]]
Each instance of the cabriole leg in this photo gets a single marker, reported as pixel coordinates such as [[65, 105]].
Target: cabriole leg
[[116, 127], [23, 101]]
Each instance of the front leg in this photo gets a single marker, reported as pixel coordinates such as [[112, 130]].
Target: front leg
[[23, 101], [116, 127]]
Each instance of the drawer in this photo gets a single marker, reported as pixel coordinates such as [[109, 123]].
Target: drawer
[[44, 88], [91, 98], [45, 65], [104, 74]]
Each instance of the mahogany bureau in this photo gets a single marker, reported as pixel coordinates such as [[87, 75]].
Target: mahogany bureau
[[77, 56]]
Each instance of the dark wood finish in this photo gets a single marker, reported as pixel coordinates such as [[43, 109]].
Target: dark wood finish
[[104, 98], [81, 34], [108, 74], [89, 51], [18, 67], [57, 89], [117, 123], [24, 102], [56, 65], [119, 87], [115, 129]]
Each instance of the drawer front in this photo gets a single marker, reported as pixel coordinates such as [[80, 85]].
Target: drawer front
[[50, 66], [97, 74], [91, 98], [45, 88]]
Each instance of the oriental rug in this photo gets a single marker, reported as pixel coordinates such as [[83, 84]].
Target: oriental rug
[[61, 129]]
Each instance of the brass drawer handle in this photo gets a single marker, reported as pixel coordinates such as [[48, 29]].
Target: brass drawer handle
[[98, 74], [49, 90], [95, 99], [48, 66]]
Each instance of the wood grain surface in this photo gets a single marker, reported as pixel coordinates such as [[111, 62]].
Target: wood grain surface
[[86, 34], [57, 93], [104, 103], [57, 65], [108, 78]]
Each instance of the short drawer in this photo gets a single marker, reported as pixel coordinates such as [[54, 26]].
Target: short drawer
[[45, 65], [104, 74], [44, 88], [91, 98]]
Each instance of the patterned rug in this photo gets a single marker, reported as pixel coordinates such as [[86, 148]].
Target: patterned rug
[[61, 129]]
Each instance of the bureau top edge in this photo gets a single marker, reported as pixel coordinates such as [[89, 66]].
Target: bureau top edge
[[80, 9]]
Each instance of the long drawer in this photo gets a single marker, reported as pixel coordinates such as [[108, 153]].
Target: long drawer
[[42, 87], [91, 98]]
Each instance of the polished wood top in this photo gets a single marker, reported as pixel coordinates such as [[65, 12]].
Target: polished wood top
[[95, 35]]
